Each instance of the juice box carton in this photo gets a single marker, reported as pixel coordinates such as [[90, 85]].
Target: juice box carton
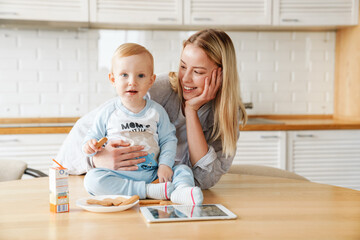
[[59, 189]]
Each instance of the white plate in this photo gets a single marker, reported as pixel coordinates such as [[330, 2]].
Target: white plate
[[98, 208]]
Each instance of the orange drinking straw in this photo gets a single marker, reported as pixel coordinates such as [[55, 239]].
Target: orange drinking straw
[[58, 164]]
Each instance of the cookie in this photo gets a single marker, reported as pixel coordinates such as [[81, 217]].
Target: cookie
[[164, 203], [131, 200], [104, 202], [101, 142], [149, 201], [107, 202]]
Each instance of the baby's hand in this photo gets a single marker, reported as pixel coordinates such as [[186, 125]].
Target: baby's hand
[[164, 173], [90, 147]]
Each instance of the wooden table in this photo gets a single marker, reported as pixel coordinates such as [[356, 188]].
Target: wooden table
[[267, 208]]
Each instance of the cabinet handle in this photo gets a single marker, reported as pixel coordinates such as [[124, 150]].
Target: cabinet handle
[[202, 19], [290, 20], [9, 140], [9, 13], [269, 137], [167, 19], [305, 135]]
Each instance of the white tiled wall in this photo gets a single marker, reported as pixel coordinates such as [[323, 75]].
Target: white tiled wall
[[50, 73]]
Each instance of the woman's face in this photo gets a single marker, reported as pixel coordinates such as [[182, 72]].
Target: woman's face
[[195, 66]]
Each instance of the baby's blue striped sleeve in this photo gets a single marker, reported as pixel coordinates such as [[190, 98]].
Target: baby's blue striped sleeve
[[98, 128], [167, 138]]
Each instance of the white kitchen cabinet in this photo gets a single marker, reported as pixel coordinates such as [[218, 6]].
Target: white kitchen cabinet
[[37, 150], [45, 10], [315, 12], [330, 157], [186, 13], [230, 13], [140, 12], [266, 148]]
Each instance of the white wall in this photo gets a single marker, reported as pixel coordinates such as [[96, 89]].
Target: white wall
[[51, 73]]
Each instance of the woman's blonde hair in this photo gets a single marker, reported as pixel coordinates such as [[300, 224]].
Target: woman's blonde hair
[[130, 49], [228, 105]]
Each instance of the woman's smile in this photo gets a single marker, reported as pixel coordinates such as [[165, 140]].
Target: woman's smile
[[189, 88]]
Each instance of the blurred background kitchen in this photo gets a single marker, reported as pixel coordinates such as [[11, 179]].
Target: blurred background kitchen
[[55, 57]]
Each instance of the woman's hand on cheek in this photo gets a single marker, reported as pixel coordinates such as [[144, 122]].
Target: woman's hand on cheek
[[123, 158], [211, 88]]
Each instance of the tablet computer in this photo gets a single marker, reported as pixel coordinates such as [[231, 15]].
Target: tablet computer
[[172, 213]]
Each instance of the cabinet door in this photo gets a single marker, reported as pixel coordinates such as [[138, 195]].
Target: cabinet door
[[330, 157], [136, 11], [37, 150], [315, 12], [232, 12], [42, 10], [266, 148]]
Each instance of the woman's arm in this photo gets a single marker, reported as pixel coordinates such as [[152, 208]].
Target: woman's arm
[[195, 136], [211, 165], [209, 169], [197, 143], [207, 159], [71, 156]]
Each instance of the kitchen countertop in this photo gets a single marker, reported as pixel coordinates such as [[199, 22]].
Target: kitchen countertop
[[297, 122], [36, 125], [255, 123]]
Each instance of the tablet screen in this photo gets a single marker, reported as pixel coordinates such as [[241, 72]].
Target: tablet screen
[[186, 212]]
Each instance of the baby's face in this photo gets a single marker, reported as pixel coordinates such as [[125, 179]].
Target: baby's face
[[132, 77]]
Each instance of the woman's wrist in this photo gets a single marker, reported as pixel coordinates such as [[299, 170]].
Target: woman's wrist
[[189, 112], [190, 108]]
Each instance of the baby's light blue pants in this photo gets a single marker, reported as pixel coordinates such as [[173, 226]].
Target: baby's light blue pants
[[103, 181]]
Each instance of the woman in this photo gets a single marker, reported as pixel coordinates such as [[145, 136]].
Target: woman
[[203, 102]]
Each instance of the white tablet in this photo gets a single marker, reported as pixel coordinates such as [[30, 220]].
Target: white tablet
[[186, 213]]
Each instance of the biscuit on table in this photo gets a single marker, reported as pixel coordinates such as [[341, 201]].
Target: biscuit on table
[[114, 202], [149, 201], [131, 200], [107, 202], [104, 202], [118, 201], [164, 203]]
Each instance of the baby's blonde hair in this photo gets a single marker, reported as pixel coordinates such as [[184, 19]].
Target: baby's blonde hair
[[130, 49], [228, 105]]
